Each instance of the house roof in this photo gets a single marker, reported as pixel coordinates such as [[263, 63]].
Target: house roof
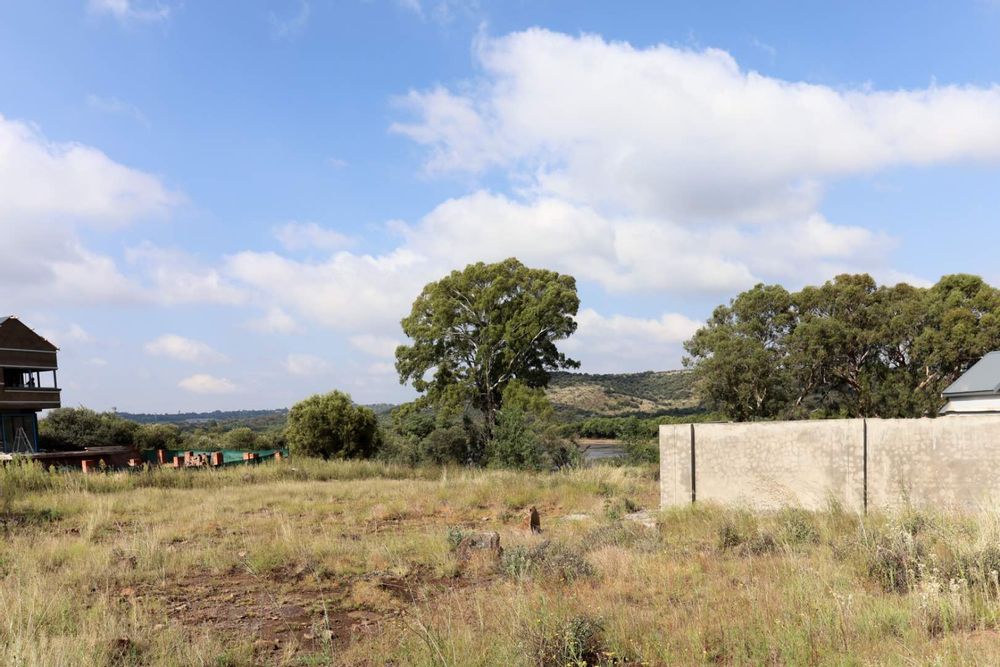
[[982, 378], [15, 334]]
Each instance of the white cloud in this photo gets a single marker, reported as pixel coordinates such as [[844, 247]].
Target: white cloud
[[680, 134], [376, 346], [202, 383], [296, 236], [306, 365], [621, 343], [131, 10], [175, 277], [45, 181], [275, 321], [183, 349], [345, 292], [49, 193]]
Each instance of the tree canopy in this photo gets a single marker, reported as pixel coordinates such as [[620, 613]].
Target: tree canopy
[[477, 330], [332, 426], [846, 348]]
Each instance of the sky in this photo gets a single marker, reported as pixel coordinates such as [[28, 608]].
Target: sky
[[225, 205]]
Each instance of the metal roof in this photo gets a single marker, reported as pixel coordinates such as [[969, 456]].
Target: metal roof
[[982, 378]]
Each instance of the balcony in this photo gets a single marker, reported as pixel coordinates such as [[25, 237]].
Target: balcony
[[29, 389]]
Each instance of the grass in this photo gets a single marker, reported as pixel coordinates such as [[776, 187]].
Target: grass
[[316, 563]]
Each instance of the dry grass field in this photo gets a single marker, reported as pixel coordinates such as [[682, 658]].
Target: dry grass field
[[313, 563]]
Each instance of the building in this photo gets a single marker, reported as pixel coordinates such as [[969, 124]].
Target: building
[[28, 384], [977, 391]]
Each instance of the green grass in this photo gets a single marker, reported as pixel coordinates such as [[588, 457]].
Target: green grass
[[167, 567]]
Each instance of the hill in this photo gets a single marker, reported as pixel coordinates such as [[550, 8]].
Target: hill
[[574, 395], [652, 393]]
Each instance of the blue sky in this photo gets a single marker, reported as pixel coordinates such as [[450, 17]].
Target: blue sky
[[231, 204]]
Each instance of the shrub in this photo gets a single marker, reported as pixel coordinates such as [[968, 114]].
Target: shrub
[[77, 428], [514, 443], [332, 426], [895, 561], [548, 560], [797, 527], [158, 436], [240, 438], [574, 641]]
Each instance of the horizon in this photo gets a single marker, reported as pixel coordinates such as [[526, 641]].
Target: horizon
[[226, 206]]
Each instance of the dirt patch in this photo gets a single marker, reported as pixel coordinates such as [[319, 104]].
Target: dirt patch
[[290, 613], [279, 616]]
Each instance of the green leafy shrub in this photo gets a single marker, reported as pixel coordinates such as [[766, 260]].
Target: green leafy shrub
[[577, 640], [332, 426]]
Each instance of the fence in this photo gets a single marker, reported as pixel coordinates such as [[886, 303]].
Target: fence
[[950, 462]]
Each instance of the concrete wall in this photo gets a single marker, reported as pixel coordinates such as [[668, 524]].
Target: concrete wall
[[950, 462], [945, 462]]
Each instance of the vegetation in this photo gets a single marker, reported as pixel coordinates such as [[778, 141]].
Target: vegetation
[[280, 567], [846, 348], [331, 426], [653, 393], [482, 328], [67, 429], [76, 428]]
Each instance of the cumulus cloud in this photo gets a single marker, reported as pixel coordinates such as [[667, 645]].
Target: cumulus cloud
[[49, 193], [46, 181], [183, 349], [275, 321], [306, 365], [637, 170], [345, 292], [202, 383], [376, 346], [295, 236], [173, 276], [681, 134], [619, 343]]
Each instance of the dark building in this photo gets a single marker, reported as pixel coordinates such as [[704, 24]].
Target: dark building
[[29, 384]]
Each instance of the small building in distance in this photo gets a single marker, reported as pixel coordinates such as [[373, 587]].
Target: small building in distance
[[977, 391], [28, 384]]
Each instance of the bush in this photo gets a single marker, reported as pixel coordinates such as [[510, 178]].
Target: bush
[[514, 443], [574, 641], [332, 426], [76, 428], [548, 560], [158, 436], [240, 438]]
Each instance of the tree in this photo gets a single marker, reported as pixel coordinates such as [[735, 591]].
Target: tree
[[241, 437], [845, 348], [75, 428], [739, 355], [158, 436], [332, 426], [479, 329]]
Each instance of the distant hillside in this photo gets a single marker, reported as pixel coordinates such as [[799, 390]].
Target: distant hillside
[[651, 393], [259, 420], [575, 396]]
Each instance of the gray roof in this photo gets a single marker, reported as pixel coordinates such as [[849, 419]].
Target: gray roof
[[982, 378]]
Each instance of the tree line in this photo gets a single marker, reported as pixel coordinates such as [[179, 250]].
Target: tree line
[[847, 348], [484, 344]]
